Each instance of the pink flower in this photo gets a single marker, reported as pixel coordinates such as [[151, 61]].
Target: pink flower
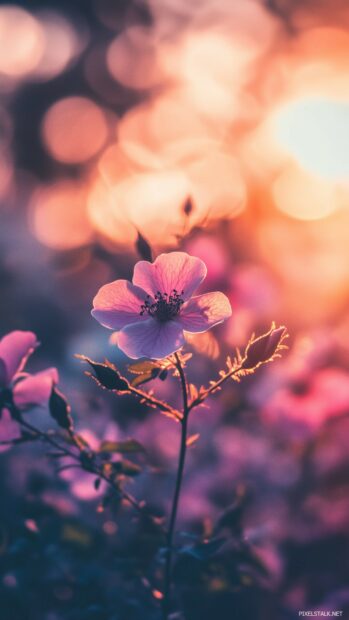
[[152, 313], [24, 390], [324, 395]]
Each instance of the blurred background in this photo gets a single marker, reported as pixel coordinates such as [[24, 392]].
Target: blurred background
[[221, 128]]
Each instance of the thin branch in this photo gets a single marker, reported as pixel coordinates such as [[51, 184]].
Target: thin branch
[[94, 469], [155, 402], [213, 387], [178, 485]]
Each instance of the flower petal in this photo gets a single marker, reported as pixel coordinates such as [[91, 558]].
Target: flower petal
[[35, 390], [118, 304], [204, 311], [151, 339], [15, 349], [175, 270]]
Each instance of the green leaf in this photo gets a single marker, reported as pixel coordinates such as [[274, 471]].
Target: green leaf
[[60, 410], [144, 367], [123, 447], [149, 376], [106, 375], [145, 371]]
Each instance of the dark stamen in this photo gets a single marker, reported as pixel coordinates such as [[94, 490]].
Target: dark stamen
[[165, 307]]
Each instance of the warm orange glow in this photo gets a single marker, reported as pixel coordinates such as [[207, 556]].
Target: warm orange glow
[[58, 215], [164, 132], [110, 221], [212, 67], [152, 202], [312, 262], [221, 105], [304, 196], [74, 129]]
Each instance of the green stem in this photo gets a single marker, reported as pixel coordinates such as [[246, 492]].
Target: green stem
[[177, 491]]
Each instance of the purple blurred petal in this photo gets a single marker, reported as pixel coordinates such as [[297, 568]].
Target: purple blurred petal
[[202, 312], [176, 270], [118, 304], [9, 429], [15, 349], [150, 339], [35, 390]]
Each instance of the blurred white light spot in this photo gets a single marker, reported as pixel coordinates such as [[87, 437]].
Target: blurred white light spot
[[21, 42], [315, 131]]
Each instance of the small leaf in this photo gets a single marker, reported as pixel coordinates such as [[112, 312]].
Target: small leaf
[[263, 349], [145, 371], [107, 375], [193, 391], [122, 447], [143, 247], [192, 439], [97, 483], [145, 377], [60, 410], [145, 367], [163, 374]]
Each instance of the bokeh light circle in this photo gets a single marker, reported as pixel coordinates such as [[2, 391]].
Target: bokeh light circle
[[21, 41], [74, 129], [58, 215]]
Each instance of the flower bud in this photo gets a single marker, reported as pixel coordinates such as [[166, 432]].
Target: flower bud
[[262, 349]]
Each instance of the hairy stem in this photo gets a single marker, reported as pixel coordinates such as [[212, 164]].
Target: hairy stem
[[155, 402], [177, 491], [213, 387]]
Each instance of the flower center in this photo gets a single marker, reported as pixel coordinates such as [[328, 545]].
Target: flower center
[[165, 307]]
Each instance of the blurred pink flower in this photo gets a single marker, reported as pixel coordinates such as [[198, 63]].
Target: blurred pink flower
[[81, 482], [324, 395], [214, 255], [16, 386], [151, 314]]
